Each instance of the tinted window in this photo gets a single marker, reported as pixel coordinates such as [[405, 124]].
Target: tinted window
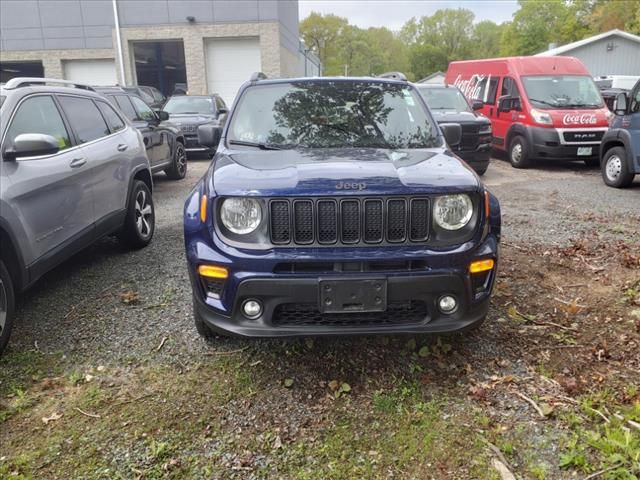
[[325, 114], [85, 118], [635, 102], [509, 88], [39, 115], [490, 96], [144, 112], [220, 104], [113, 120], [126, 107]]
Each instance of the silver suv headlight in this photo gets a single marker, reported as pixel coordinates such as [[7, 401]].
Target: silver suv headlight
[[241, 215], [452, 212]]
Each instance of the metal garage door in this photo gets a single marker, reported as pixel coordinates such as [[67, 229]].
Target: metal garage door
[[230, 63], [91, 72]]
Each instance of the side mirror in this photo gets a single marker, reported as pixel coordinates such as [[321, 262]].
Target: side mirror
[[222, 111], [477, 105], [452, 133], [504, 104], [209, 135], [31, 145], [162, 115], [620, 104]]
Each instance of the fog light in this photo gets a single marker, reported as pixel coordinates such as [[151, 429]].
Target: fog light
[[252, 309], [447, 304]]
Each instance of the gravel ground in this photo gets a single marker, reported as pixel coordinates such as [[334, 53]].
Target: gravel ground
[[78, 308]]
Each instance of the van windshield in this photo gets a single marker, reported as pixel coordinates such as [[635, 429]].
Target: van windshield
[[331, 114], [564, 91]]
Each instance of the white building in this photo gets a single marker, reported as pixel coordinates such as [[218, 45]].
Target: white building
[[610, 53]]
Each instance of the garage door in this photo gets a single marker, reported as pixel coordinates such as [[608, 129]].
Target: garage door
[[91, 72], [230, 63]]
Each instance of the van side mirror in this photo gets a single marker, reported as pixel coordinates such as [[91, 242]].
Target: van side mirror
[[31, 145], [222, 111], [504, 104], [477, 105], [620, 104], [162, 115], [452, 133], [209, 135]]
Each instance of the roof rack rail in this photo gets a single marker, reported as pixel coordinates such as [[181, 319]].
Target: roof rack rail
[[18, 82], [257, 76], [394, 76]]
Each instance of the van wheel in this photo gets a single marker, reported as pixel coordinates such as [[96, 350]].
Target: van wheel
[[7, 306], [140, 222], [178, 168], [615, 168], [519, 152]]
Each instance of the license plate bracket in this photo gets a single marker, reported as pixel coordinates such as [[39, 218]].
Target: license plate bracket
[[585, 151], [353, 296]]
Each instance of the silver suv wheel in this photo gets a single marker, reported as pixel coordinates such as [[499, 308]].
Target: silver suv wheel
[[144, 211], [3, 306]]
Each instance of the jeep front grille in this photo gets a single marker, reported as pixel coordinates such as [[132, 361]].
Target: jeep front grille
[[349, 221]]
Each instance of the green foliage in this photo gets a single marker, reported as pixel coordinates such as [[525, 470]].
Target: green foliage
[[427, 44]]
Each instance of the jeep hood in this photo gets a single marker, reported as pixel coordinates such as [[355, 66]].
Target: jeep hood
[[340, 172]]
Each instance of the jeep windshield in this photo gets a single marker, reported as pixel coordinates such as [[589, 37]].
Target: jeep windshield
[[448, 99], [332, 114], [565, 91]]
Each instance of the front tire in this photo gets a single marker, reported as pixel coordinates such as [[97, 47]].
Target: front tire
[[7, 306], [615, 168], [519, 152], [201, 326], [178, 168], [140, 222]]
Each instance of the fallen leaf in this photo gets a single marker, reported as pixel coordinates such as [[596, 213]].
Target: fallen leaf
[[277, 444], [333, 385], [129, 297], [288, 382], [424, 352]]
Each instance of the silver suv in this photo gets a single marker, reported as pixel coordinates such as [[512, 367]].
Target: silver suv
[[72, 170]]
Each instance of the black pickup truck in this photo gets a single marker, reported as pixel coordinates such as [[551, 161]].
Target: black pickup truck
[[448, 105]]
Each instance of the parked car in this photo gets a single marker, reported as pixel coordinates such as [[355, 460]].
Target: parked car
[[159, 98], [449, 105], [334, 206], [180, 89], [146, 97], [73, 169], [539, 107], [190, 111], [621, 144], [609, 96], [625, 82], [165, 141]]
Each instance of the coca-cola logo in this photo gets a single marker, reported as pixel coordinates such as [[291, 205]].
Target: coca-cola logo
[[471, 88], [583, 119]]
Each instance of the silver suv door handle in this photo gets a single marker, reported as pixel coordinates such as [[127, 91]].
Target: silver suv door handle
[[77, 162], [122, 147]]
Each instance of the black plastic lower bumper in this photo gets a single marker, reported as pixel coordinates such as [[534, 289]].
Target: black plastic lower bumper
[[544, 143], [477, 159], [274, 293]]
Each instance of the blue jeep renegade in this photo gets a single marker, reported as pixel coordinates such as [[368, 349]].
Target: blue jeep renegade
[[334, 206]]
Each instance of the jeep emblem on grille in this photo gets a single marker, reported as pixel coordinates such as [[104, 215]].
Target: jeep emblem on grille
[[351, 186]]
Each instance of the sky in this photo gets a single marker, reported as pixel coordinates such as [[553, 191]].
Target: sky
[[394, 13]]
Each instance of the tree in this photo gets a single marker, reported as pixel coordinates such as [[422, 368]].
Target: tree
[[321, 34], [486, 39], [623, 14]]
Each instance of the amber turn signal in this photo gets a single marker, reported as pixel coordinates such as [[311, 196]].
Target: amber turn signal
[[203, 208], [481, 265], [211, 271]]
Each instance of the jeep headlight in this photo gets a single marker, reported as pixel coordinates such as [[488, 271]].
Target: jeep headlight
[[241, 215], [452, 212], [541, 117]]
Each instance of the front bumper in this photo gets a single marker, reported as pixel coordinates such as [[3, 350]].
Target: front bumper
[[545, 143], [192, 145], [443, 275], [477, 159]]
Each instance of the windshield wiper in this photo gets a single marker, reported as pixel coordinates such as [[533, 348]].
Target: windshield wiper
[[544, 102], [260, 145], [574, 105]]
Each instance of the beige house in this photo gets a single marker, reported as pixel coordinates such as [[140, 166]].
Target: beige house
[[211, 45]]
